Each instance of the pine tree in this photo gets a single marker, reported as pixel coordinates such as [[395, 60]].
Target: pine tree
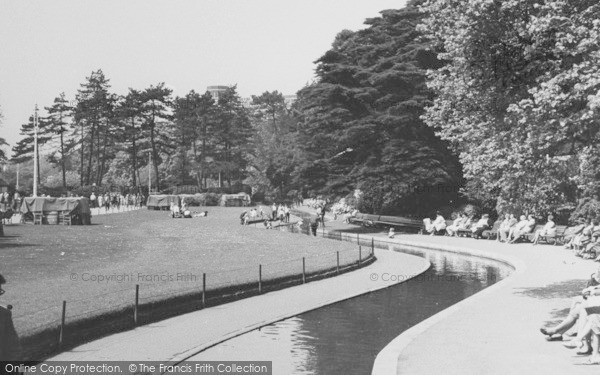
[[57, 126]]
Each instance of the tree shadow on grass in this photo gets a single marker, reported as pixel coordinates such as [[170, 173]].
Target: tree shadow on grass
[[7, 242], [563, 289]]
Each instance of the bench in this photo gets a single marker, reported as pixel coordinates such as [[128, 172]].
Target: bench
[[557, 238], [529, 236], [368, 220]]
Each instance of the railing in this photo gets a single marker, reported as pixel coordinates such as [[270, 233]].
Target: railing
[[69, 323]]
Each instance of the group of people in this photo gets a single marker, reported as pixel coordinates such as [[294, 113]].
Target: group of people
[[109, 200], [510, 229], [463, 222], [583, 239], [581, 328], [279, 212]]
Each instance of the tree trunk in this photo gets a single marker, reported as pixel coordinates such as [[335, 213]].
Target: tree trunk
[[133, 152], [103, 163], [91, 156], [82, 157], [154, 154]]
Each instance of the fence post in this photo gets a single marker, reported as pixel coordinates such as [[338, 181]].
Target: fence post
[[337, 268], [359, 255], [303, 270], [372, 246], [62, 325], [260, 279], [203, 290], [358, 238], [137, 302]]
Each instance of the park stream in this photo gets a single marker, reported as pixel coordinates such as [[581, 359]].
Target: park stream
[[345, 337]]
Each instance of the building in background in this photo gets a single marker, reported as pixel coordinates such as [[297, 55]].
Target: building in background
[[217, 91]]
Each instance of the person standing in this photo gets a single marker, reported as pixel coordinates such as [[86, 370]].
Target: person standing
[[9, 341], [274, 211]]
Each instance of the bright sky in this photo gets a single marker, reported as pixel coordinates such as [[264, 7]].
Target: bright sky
[[48, 47]]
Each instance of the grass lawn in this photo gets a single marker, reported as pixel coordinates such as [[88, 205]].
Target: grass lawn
[[95, 268]]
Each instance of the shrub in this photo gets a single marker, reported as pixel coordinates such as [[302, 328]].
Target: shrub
[[201, 199]]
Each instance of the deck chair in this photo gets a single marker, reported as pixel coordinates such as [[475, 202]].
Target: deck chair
[[38, 217]]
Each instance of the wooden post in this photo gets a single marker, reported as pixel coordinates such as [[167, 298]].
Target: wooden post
[[260, 278], [372, 246], [337, 268], [137, 303], [62, 325], [358, 238], [359, 255], [203, 290], [303, 270]]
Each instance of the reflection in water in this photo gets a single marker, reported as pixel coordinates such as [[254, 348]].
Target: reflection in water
[[344, 338]]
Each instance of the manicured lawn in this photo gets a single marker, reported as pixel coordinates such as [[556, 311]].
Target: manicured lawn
[[95, 268]]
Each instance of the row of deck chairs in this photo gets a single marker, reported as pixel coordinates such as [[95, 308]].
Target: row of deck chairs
[[492, 233]]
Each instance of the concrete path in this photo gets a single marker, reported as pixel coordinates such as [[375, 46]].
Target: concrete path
[[497, 330], [180, 337]]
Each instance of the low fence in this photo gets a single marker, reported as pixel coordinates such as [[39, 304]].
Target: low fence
[[73, 322]]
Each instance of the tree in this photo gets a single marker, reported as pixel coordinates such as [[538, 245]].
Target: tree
[[272, 158], [156, 110], [195, 120], [360, 123], [23, 150], [129, 115], [93, 116], [232, 135], [57, 126], [517, 99]]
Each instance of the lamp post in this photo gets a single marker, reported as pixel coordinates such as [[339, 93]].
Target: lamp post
[[35, 152]]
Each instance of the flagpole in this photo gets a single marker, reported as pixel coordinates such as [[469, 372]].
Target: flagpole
[[35, 152]]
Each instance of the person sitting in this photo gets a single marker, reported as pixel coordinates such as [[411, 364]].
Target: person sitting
[[243, 217], [575, 321], [175, 212], [10, 347], [549, 229], [350, 215], [480, 226], [452, 229], [518, 230], [437, 225], [588, 247], [391, 233], [508, 222], [572, 232], [267, 224], [583, 238]]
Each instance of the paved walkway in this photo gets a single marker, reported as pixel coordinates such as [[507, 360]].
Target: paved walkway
[[180, 337], [497, 330]]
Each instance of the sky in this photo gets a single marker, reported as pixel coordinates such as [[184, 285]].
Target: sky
[[49, 47]]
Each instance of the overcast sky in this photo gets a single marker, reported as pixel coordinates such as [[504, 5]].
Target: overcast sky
[[50, 46]]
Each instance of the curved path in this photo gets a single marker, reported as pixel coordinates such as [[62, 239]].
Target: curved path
[[181, 337], [496, 330]]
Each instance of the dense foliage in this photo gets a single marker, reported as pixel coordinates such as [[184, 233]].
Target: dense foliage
[[360, 122], [519, 97]]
